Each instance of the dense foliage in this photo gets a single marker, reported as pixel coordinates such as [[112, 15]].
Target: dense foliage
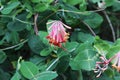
[[89, 49]]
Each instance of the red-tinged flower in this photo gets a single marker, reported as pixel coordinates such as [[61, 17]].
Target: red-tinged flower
[[101, 66], [116, 61], [57, 33]]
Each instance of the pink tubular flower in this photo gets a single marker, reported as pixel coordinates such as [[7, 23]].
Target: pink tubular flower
[[57, 33], [116, 61]]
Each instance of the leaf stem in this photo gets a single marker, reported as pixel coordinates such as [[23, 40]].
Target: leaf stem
[[89, 28], [35, 24]]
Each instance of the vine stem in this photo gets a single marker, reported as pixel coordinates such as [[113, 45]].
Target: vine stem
[[110, 24], [11, 47], [17, 19], [89, 28], [35, 24], [52, 64]]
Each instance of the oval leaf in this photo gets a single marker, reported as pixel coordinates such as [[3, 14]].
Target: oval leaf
[[29, 70], [10, 7]]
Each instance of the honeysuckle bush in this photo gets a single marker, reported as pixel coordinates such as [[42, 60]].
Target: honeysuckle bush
[[59, 40]]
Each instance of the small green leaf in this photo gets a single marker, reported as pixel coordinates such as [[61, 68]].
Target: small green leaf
[[71, 46], [113, 50], [35, 1], [36, 44], [46, 75], [41, 7], [16, 76], [101, 46], [29, 70], [109, 2], [45, 52], [10, 7], [74, 2], [82, 37], [2, 56], [42, 35], [93, 20]]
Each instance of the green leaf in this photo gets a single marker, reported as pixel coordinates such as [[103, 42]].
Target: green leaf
[[16, 76], [63, 63], [117, 77], [113, 50], [17, 25], [29, 70], [82, 37], [71, 46], [36, 44], [2, 56], [95, 1], [45, 52], [35, 1], [10, 7], [15, 37], [46, 75], [83, 6], [101, 46], [85, 59], [42, 35], [117, 42], [41, 7], [4, 75], [74, 2], [93, 20], [116, 6], [109, 2]]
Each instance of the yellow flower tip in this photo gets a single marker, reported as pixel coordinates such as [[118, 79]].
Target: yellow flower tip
[[116, 67]]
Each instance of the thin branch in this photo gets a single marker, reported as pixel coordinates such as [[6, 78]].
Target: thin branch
[[110, 24], [118, 31], [77, 12], [89, 28], [35, 24], [11, 47]]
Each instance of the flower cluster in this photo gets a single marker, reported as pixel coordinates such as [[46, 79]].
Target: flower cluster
[[103, 65], [57, 33]]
